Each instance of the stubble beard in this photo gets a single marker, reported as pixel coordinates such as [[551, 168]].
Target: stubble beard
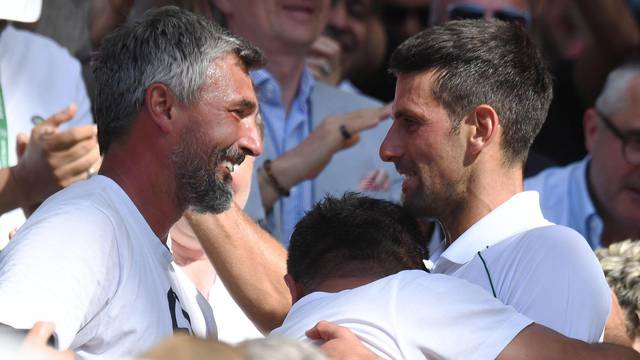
[[199, 186]]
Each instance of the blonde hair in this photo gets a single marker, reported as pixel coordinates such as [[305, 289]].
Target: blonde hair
[[621, 265]]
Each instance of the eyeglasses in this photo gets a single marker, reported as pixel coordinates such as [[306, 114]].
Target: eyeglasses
[[470, 12], [630, 142]]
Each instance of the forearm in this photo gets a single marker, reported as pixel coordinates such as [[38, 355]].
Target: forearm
[[11, 195], [304, 162], [250, 262]]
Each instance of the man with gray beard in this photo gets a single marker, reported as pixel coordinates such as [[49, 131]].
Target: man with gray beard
[[176, 112]]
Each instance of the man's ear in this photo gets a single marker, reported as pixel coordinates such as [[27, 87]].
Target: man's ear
[[590, 125], [159, 102], [294, 288], [483, 124]]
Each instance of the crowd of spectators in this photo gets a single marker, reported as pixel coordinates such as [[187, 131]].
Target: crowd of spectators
[[395, 179]]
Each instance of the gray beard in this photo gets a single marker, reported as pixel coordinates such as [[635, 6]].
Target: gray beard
[[198, 186]]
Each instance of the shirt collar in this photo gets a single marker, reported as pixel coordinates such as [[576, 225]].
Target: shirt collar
[[518, 214], [262, 77]]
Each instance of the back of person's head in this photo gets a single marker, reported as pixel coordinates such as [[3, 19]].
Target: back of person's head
[[279, 348], [621, 265], [353, 236], [185, 347], [479, 62], [168, 45]]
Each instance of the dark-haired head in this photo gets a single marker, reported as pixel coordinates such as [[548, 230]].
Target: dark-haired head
[[478, 62], [353, 236]]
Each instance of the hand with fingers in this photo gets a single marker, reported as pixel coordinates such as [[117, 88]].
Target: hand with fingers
[[309, 158], [51, 159], [325, 60], [339, 343]]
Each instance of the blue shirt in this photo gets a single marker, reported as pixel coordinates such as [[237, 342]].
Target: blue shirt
[[285, 131], [565, 199]]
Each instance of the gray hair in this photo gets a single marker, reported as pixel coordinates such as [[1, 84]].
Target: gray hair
[[613, 97], [621, 265], [169, 46], [279, 348]]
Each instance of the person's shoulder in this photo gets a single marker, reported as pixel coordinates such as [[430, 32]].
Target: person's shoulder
[[553, 178], [349, 101], [552, 241]]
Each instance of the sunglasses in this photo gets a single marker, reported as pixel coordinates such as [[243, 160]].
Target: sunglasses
[[471, 12]]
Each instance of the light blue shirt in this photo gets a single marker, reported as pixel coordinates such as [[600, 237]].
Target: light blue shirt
[[565, 199], [285, 131]]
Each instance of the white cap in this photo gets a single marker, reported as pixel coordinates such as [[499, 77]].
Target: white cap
[[20, 10]]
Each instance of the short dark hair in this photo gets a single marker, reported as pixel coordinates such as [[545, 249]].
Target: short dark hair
[[353, 236], [168, 45], [484, 62]]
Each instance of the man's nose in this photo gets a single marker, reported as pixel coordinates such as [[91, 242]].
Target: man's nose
[[251, 142], [392, 146]]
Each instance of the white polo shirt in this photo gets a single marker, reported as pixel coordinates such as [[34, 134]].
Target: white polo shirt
[[413, 315], [545, 271]]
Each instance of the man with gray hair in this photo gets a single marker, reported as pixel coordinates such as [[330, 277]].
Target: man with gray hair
[[599, 196], [176, 113]]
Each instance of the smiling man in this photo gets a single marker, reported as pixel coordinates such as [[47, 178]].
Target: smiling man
[[470, 98], [176, 112]]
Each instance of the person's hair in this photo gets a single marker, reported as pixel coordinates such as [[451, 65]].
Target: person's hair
[[279, 348], [185, 347], [621, 265], [477, 62], [353, 236], [168, 45], [613, 97]]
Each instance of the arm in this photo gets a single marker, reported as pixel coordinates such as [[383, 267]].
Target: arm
[[309, 158], [615, 331], [250, 262], [539, 342], [48, 160]]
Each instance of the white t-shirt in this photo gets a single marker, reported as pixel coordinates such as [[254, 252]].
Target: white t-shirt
[[88, 261], [38, 78], [231, 323], [545, 271], [413, 315]]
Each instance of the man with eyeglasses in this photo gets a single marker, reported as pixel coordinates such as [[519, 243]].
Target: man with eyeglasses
[[599, 196]]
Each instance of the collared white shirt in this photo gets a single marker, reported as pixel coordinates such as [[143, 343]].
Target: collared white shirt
[[545, 271], [565, 199]]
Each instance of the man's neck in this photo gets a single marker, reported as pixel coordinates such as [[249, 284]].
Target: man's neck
[[139, 173], [287, 70], [483, 195], [337, 284]]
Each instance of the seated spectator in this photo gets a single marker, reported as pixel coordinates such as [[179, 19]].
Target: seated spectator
[[599, 196], [621, 265], [356, 261], [39, 80]]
